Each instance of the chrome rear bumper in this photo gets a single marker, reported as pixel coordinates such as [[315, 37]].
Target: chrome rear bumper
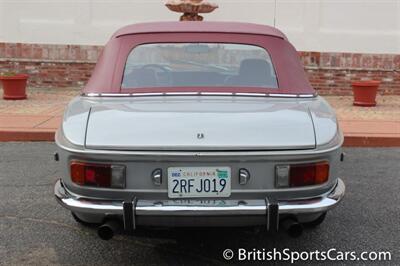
[[135, 208]]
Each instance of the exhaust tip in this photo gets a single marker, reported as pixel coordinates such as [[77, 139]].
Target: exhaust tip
[[105, 232], [295, 230], [108, 229], [292, 227]]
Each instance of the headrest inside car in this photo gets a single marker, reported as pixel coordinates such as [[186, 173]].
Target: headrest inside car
[[141, 77], [254, 67]]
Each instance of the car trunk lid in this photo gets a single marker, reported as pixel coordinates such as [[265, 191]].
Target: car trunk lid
[[199, 123]]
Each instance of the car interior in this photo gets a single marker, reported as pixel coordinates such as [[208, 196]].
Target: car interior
[[251, 73]]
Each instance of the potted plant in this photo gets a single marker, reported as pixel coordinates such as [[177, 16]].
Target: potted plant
[[14, 85], [365, 92]]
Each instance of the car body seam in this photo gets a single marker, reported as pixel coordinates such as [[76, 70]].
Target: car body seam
[[312, 121], [86, 127]]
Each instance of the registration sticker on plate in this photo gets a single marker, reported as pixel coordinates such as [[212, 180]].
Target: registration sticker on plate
[[196, 182]]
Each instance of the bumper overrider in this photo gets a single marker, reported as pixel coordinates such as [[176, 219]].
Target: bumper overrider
[[136, 210]]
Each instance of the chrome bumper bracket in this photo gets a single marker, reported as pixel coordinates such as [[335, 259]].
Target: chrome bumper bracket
[[129, 215], [272, 214]]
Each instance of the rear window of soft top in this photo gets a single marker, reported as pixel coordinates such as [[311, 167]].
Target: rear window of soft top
[[198, 65]]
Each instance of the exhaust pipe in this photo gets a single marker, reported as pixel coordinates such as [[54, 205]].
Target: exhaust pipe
[[107, 230], [292, 227]]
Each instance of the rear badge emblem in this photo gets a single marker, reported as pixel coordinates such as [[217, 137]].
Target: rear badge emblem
[[200, 135]]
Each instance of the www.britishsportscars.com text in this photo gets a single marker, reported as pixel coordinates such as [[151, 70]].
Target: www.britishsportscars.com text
[[333, 254]]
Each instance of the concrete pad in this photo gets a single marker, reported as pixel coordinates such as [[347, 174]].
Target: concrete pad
[[370, 127], [22, 121], [52, 123]]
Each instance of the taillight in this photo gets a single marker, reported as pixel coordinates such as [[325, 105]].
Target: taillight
[[298, 175], [98, 175]]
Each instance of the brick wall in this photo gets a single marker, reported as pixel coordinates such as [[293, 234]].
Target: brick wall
[[49, 65], [58, 66], [332, 73]]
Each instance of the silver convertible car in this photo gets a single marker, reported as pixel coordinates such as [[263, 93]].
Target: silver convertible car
[[199, 124]]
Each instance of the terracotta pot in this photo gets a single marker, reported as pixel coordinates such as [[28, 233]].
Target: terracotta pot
[[14, 87], [365, 92]]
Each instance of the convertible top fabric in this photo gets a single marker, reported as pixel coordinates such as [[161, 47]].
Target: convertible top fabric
[[108, 74]]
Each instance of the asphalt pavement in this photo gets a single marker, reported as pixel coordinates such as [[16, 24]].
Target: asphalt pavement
[[35, 230]]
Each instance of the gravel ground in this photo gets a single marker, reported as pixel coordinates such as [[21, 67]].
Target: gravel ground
[[34, 230]]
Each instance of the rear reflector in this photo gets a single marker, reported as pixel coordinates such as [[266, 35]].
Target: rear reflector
[[298, 175], [98, 175]]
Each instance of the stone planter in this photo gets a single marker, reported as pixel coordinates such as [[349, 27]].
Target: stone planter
[[191, 8]]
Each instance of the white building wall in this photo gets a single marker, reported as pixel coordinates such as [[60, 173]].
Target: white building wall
[[365, 26]]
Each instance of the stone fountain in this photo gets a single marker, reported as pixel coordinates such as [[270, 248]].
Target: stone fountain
[[191, 8]]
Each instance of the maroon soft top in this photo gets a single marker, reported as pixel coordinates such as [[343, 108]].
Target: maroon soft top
[[108, 73], [196, 26]]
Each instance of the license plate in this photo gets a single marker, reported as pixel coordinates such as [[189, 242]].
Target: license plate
[[197, 182]]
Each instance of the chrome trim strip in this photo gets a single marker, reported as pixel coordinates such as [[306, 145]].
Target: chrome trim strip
[[251, 94], [91, 94], [217, 93], [307, 95], [115, 95], [283, 95], [146, 94], [171, 208], [181, 93], [280, 95]]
